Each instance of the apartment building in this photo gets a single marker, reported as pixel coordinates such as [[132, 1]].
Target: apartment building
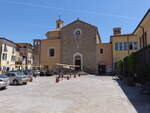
[[26, 53], [9, 55]]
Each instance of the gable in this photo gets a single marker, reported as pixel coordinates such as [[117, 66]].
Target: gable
[[79, 22]]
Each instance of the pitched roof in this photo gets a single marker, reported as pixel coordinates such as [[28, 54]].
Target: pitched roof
[[25, 44], [122, 35], [8, 40], [78, 20]]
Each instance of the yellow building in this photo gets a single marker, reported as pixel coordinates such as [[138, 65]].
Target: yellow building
[[143, 31], [9, 55], [125, 44], [122, 45], [50, 53]]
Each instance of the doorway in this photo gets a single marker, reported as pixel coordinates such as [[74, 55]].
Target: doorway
[[101, 69], [78, 63]]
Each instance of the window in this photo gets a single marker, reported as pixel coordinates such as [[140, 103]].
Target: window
[[125, 44], [14, 50], [140, 42], [24, 46], [5, 47], [51, 52], [101, 51], [78, 33], [134, 45], [145, 38], [116, 46], [4, 56], [120, 46], [130, 45], [13, 58]]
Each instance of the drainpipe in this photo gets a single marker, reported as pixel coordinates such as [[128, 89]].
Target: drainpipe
[[143, 40], [143, 36], [128, 44]]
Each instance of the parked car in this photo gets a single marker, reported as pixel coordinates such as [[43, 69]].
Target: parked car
[[4, 81], [36, 73], [17, 77], [29, 75]]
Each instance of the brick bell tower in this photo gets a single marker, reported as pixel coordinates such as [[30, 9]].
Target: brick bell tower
[[59, 23]]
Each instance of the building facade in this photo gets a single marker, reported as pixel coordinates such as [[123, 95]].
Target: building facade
[[26, 53], [125, 44], [122, 45], [73, 44], [9, 55], [142, 31], [104, 58]]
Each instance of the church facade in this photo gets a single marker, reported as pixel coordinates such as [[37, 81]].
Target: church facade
[[77, 43]]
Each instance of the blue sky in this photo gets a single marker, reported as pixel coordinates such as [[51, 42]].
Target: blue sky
[[25, 20]]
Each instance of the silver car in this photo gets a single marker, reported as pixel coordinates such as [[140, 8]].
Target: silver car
[[17, 78], [4, 81]]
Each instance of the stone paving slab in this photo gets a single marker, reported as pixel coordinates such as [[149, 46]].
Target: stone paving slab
[[86, 94]]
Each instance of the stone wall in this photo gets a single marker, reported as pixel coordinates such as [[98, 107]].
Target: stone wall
[[84, 44]]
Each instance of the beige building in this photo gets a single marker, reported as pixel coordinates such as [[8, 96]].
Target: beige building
[[47, 60], [104, 58], [142, 31], [73, 44], [26, 54], [9, 55]]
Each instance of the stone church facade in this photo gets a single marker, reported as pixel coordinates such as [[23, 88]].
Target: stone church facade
[[73, 44]]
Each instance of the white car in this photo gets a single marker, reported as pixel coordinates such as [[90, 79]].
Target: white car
[[4, 81]]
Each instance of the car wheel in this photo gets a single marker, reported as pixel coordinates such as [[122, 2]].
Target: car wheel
[[15, 82], [4, 87], [25, 83]]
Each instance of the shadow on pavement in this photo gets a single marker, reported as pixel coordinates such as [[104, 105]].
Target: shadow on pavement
[[140, 102]]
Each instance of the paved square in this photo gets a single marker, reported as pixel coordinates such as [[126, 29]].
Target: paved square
[[86, 94]]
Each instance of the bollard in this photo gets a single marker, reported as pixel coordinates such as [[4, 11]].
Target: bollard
[[79, 75], [67, 77], [62, 76], [59, 75], [74, 76], [57, 79]]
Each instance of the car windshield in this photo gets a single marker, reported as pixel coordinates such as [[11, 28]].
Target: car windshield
[[3, 76], [19, 73]]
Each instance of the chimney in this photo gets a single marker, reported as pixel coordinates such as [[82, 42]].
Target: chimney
[[117, 31], [59, 24]]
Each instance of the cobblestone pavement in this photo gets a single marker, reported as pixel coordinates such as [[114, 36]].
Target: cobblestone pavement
[[85, 94]]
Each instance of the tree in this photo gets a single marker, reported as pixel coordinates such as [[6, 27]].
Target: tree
[[120, 66]]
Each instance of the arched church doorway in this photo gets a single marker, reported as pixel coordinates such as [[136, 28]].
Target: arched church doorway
[[78, 63]]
